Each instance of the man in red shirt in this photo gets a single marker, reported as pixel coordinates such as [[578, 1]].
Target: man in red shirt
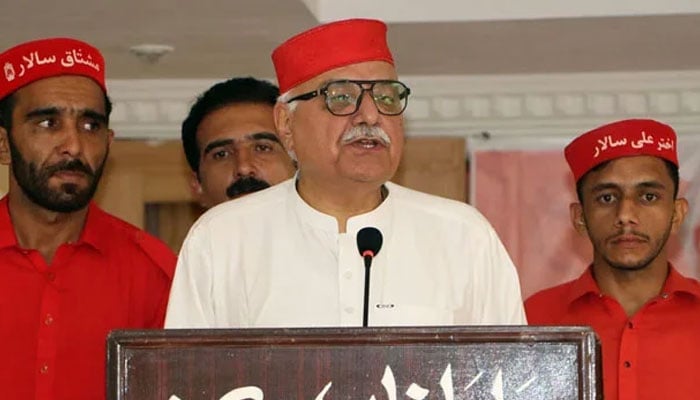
[[646, 314], [69, 272]]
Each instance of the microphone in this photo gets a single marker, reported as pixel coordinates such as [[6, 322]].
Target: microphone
[[369, 242]]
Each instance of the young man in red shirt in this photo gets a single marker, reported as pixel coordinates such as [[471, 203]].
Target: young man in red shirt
[[646, 314]]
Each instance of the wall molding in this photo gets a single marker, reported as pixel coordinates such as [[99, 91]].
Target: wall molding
[[543, 104]]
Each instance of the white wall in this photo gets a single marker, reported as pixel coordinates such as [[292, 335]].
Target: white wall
[[485, 10], [553, 104]]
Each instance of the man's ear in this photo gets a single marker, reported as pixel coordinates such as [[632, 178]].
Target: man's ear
[[680, 209], [196, 189], [577, 220], [283, 124], [110, 137], [5, 158]]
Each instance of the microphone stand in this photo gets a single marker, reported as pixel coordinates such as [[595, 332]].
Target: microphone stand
[[369, 242], [365, 305]]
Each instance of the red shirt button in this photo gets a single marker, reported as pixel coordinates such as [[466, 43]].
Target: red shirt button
[[50, 276]]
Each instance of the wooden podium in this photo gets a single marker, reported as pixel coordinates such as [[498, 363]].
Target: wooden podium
[[494, 363]]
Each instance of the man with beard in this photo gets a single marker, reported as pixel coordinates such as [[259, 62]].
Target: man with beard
[[69, 272], [230, 141], [288, 256], [646, 314]]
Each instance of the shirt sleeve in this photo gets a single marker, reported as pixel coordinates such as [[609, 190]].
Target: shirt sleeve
[[493, 296], [191, 300], [159, 316]]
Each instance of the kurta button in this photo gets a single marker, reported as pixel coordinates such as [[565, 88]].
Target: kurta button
[[48, 320], [44, 369], [664, 296], [349, 310], [627, 364], [630, 325], [347, 275], [50, 276]]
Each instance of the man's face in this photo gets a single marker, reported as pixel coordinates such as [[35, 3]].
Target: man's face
[[629, 212], [240, 153], [59, 141], [317, 137]]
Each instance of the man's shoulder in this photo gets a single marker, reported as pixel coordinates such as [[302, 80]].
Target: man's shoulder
[[435, 206], [545, 306], [124, 234], [263, 201], [548, 293]]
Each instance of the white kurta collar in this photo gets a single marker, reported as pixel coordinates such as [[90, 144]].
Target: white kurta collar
[[379, 218]]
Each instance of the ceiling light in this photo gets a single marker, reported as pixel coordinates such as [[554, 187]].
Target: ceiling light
[[150, 53]]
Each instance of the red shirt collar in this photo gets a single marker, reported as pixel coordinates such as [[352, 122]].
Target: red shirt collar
[[7, 232], [582, 286], [675, 283], [92, 233]]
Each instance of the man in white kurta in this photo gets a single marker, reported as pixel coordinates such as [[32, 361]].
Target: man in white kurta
[[271, 260], [288, 256]]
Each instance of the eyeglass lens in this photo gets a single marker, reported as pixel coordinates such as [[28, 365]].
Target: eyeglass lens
[[343, 97]]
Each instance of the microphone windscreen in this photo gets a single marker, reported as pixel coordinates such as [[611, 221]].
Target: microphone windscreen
[[369, 239]]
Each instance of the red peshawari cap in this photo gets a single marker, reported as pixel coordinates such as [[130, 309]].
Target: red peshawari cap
[[327, 47], [632, 137], [39, 59]]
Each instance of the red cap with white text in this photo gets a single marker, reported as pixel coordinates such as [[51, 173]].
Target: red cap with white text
[[45, 58], [631, 137]]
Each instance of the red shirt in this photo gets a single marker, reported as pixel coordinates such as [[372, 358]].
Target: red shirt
[[54, 319], [652, 355]]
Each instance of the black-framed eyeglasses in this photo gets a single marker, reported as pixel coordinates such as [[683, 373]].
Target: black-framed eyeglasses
[[344, 97]]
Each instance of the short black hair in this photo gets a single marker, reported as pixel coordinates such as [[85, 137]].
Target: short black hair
[[670, 167], [232, 91], [7, 106]]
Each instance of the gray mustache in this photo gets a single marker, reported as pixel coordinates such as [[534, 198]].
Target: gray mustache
[[366, 132]]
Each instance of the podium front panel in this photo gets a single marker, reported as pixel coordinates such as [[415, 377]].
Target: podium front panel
[[490, 363]]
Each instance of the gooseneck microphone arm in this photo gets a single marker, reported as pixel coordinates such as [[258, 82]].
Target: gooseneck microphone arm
[[369, 242], [365, 300]]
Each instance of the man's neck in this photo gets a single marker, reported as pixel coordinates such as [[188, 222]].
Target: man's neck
[[40, 229], [632, 289], [341, 201]]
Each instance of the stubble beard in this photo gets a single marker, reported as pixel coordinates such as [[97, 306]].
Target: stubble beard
[[34, 182], [641, 264]]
